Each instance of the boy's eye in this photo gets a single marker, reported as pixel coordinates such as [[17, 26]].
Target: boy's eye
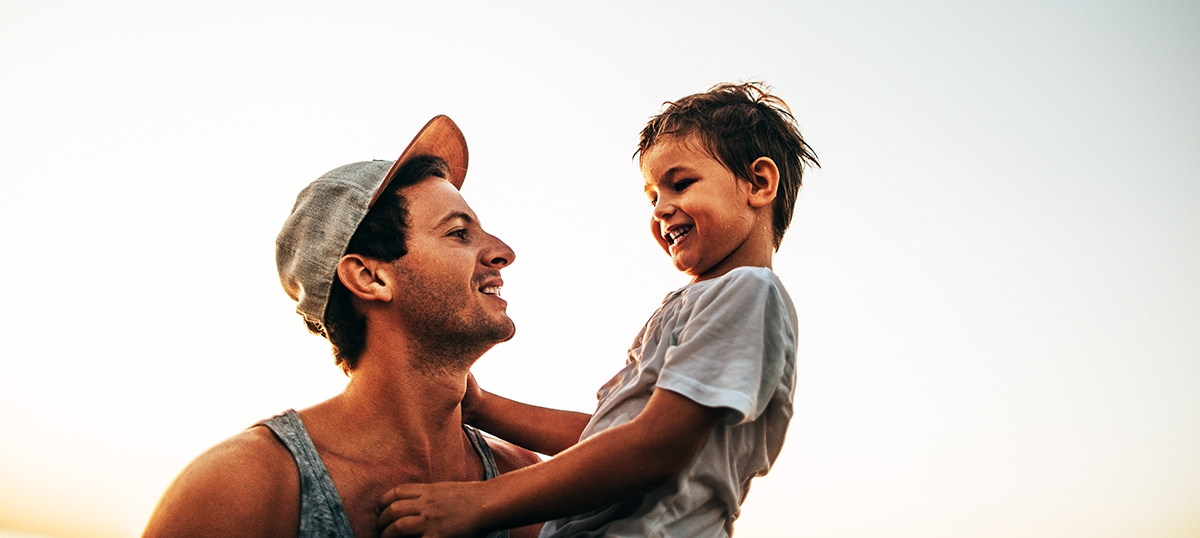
[[682, 184]]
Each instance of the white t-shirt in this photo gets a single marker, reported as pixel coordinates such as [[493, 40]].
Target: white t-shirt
[[729, 343]]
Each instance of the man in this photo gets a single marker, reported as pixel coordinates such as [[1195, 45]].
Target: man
[[389, 263]]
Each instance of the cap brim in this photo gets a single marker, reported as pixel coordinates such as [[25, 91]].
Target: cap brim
[[438, 138]]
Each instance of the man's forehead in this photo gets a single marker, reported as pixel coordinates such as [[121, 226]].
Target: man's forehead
[[434, 201]]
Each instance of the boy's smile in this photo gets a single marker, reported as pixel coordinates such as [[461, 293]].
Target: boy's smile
[[702, 216]]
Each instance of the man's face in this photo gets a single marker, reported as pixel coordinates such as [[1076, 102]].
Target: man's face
[[449, 282]]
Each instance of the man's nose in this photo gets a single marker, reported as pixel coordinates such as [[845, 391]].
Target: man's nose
[[499, 254]]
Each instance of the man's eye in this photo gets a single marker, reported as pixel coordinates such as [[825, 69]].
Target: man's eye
[[461, 234]]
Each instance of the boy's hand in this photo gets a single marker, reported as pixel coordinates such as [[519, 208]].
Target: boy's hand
[[441, 510]]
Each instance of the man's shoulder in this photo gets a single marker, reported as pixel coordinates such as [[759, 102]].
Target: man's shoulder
[[246, 485], [510, 457], [254, 451]]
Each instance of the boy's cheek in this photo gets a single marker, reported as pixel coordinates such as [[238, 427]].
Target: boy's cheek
[[654, 230]]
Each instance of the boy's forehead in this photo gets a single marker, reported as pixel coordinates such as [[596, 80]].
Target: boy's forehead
[[673, 153]]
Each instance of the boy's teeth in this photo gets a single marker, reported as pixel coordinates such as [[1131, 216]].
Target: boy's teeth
[[672, 236]]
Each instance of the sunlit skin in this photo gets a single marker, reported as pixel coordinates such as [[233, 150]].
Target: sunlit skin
[[706, 218], [715, 222], [399, 420], [610, 466], [456, 266]]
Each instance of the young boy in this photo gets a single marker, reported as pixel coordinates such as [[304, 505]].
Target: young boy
[[704, 401]]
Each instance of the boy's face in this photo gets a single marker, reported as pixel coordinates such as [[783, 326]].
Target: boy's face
[[702, 217]]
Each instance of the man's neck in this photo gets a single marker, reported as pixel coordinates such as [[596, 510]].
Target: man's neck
[[392, 413]]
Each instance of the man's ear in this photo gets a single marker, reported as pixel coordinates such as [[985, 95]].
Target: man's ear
[[363, 277], [764, 181]]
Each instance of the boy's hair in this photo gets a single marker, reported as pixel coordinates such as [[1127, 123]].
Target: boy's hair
[[381, 235], [736, 124]]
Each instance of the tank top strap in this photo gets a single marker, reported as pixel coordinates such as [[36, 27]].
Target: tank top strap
[[321, 512], [490, 470]]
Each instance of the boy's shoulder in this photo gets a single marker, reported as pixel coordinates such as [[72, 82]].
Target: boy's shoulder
[[752, 272], [741, 278], [745, 288]]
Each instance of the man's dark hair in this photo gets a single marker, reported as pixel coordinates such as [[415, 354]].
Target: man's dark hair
[[736, 124], [381, 235]]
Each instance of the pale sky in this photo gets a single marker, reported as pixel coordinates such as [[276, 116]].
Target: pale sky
[[995, 269]]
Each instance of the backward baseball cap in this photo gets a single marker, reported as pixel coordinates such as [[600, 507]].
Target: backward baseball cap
[[328, 211]]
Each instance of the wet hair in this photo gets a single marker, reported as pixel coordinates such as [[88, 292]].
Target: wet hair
[[380, 235], [736, 124]]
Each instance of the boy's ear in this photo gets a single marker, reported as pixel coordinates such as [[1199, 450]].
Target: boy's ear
[[363, 277], [764, 181]]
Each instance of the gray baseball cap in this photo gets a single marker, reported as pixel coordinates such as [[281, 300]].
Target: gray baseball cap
[[329, 210]]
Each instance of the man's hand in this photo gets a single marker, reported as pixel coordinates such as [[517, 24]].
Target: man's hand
[[441, 510], [471, 399], [548, 431]]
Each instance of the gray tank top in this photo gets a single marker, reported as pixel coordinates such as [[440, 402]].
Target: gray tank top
[[321, 512]]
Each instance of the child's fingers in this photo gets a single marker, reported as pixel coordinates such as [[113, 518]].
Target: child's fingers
[[406, 491], [402, 517], [429, 510], [396, 510], [406, 526]]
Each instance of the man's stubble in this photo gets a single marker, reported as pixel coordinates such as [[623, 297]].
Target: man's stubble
[[450, 331]]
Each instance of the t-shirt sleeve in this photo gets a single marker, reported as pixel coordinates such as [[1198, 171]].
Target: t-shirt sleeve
[[732, 350]]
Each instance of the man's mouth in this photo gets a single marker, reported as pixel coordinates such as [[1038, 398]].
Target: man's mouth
[[490, 290], [672, 236]]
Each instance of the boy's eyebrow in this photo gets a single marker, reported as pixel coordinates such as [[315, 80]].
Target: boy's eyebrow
[[674, 171]]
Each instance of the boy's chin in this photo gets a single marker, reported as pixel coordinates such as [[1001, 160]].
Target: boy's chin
[[681, 266], [687, 269]]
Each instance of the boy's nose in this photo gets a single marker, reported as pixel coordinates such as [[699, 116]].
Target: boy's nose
[[663, 209]]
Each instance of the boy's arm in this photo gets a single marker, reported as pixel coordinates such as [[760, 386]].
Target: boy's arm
[[540, 429], [613, 465]]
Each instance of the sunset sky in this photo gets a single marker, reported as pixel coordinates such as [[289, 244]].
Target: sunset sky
[[995, 268]]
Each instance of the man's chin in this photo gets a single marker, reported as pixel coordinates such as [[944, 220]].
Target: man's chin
[[499, 330], [490, 334]]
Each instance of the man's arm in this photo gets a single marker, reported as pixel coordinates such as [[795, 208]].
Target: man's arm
[[610, 466], [544, 430], [245, 486]]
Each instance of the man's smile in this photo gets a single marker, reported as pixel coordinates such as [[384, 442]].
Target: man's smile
[[491, 285]]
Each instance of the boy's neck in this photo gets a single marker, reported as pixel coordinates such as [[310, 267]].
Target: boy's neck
[[758, 250]]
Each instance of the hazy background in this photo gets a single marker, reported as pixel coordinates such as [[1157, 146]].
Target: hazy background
[[996, 270]]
